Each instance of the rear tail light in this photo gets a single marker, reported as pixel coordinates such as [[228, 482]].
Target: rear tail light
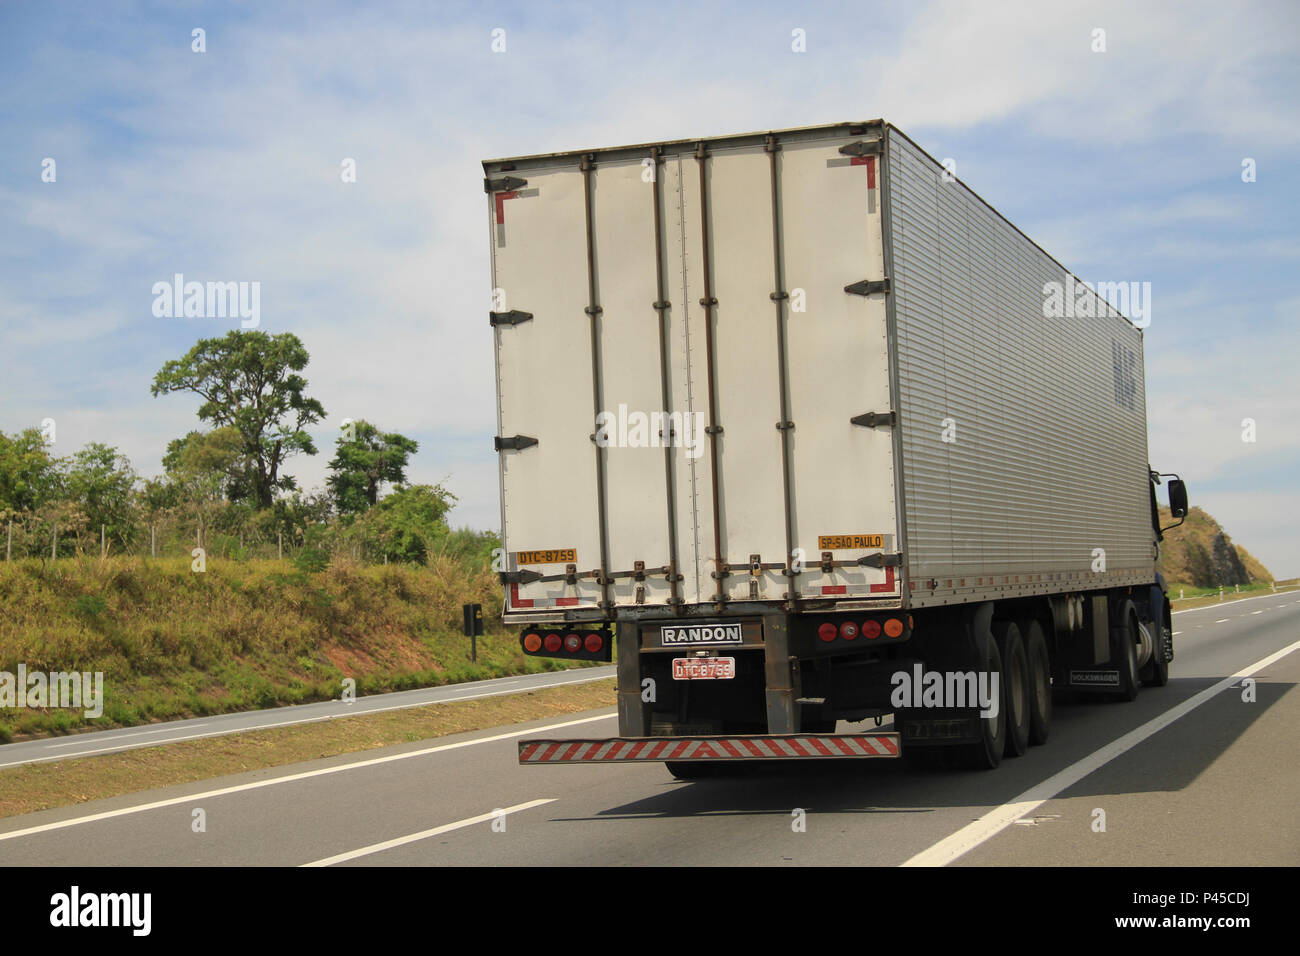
[[572, 642], [532, 643], [553, 642], [871, 630], [849, 631], [827, 632], [594, 642], [893, 627]]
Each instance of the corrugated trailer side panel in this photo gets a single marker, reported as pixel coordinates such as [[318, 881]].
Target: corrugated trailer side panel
[[1023, 437]]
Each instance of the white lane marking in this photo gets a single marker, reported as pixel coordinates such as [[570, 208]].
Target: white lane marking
[[111, 748], [1176, 633], [305, 775], [1223, 620], [1259, 612], [117, 737], [995, 821], [1216, 605], [425, 834]]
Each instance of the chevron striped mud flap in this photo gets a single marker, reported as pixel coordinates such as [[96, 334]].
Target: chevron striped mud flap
[[767, 747]]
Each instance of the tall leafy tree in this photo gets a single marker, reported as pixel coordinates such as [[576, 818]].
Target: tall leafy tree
[[248, 381], [365, 462], [99, 481], [29, 474]]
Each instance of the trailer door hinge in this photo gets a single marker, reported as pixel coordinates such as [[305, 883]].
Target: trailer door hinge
[[875, 419], [513, 317], [882, 560], [868, 287], [865, 147], [504, 184], [517, 443], [519, 577]]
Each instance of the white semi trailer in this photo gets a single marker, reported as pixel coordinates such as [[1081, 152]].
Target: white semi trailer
[[803, 421]]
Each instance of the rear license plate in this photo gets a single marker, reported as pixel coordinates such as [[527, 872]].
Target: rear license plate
[[704, 668]]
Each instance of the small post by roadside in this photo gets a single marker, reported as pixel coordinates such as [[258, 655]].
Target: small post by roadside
[[1180, 594], [279, 545], [1220, 592], [54, 543], [1274, 583], [153, 549], [102, 552], [473, 614], [9, 544]]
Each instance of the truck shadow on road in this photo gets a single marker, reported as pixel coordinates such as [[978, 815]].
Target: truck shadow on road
[[1168, 760]]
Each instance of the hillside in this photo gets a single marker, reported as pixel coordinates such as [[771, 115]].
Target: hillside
[[244, 634], [1200, 554]]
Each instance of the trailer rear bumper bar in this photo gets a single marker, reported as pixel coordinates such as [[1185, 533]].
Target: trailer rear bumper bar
[[748, 748]]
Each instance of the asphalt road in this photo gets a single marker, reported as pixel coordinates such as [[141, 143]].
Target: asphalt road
[[1188, 774], [128, 738]]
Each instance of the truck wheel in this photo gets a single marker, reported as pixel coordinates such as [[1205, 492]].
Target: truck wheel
[[1156, 673], [1015, 686], [987, 754], [1123, 652], [1040, 682]]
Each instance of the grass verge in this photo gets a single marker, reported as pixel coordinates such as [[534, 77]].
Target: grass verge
[[42, 786]]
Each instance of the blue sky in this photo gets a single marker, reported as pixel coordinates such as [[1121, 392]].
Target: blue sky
[[1124, 164]]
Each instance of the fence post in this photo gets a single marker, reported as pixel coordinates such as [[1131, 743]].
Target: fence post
[[54, 542], [279, 545], [9, 544], [101, 543], [153, 550]]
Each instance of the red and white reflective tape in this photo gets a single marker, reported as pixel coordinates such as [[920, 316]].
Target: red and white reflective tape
[[770, 747], [843, 590], [518, 603]]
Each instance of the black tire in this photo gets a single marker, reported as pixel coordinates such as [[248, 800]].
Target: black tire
[[1040, 682], [1014, 686], [1123, 652], [987, 754], [1156, 673]]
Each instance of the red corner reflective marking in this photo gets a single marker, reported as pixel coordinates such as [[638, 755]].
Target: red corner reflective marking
[[566, 602], [501, 204], [515, 599], [889, 580]]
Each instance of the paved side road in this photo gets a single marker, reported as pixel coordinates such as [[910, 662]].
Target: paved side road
[[1188, 774], [108, 741]]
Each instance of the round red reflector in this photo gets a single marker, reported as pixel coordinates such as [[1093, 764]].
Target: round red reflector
[[871, 630], [572, 642], [594, 643], [532, 643], [893, 627], [553, 642], [849, 631], [827, 632]]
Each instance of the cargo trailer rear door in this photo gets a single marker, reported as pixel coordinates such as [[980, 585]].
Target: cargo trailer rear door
[[579, 376], [772, 234], [839, 374]]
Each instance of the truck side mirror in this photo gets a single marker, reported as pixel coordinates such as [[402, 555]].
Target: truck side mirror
[[1177, 498]]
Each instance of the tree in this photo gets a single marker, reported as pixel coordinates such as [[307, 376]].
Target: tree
[[405, 524], [361, 465], [215, 458], [99, 481], [29, 474], [248, 382]]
